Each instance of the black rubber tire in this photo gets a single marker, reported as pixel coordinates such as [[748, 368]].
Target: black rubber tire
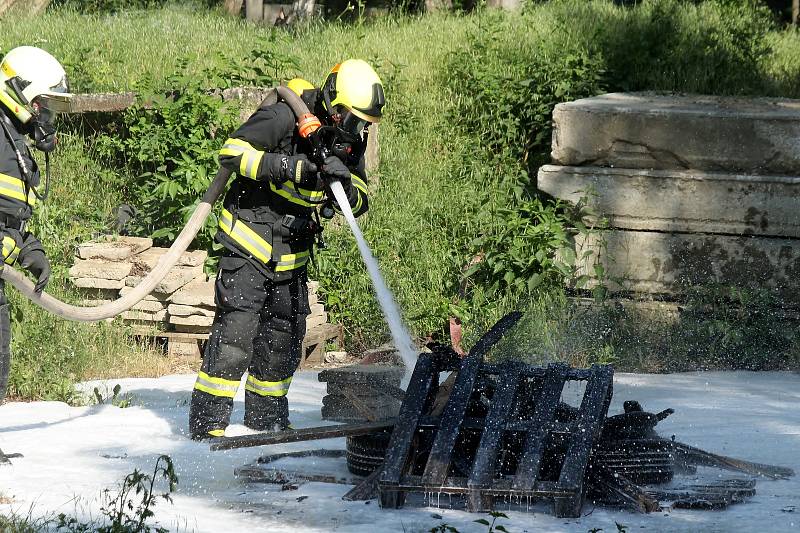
[[365, 453]]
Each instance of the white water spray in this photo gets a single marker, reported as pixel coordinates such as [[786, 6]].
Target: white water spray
[[400, 336]]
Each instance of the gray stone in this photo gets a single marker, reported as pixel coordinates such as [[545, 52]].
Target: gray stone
[[760, 136], [97, 283], [313, 321], [194, 320], [176, 278], [313, 287], [663, 263], [152, 297], [195, 293], [336, 357], [190, 310], [682, 200], [312, 298], [149, 258], [114, 248], [372, 154], [149, 306], [95, 268], [317, 309], [158, 316]]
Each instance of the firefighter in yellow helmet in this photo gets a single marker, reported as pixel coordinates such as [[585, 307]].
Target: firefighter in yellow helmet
[[33, 88], [267, 227]]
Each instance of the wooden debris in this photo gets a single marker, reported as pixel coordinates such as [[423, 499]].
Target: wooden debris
[[298, 435]]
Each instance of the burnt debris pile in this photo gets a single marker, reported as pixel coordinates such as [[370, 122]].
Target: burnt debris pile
[[506, 432]]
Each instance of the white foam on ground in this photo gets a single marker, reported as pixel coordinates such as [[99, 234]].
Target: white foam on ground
[[73, 453]]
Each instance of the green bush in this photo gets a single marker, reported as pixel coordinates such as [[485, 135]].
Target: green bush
[[169, 142]]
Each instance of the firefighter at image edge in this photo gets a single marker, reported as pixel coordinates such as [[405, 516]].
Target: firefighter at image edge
[[33, 88], [268, 226]]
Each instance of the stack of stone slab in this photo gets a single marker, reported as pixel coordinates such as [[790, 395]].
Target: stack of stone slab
[[696, 189], [181, 308], [360, 393]]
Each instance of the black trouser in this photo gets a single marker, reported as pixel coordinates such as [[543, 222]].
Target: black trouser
[[259, 329], [5, 340]]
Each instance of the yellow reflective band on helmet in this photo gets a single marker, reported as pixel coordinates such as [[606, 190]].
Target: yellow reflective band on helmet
[[217, 432], [225, 388], [249, 240], [297, 195], [7, 70], [298, 85], [268, 388], [10, 250], [12, 187], [292, 261], [250, 157]]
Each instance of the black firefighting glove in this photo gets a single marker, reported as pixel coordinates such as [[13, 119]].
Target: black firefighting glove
[[334, 168], [295, 168], [32, 258]]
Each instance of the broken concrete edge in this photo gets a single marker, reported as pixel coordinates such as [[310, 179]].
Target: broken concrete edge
[[680, 200], [758, 136], [663, 103]]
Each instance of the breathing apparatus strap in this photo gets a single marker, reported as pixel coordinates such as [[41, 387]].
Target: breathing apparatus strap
[[23, 166]]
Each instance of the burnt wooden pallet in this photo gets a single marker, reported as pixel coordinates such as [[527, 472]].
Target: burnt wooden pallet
[[480, 476]]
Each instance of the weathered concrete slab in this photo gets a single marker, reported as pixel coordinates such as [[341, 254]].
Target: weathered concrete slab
[[114, 248], [664, 263], [760, 136], [152, 297], [149, 258], [158, 316], [682, 201], [195, 293], [194, 320], [313, 321], [97, 283], [190, 310], [176, 278], [95, 268]]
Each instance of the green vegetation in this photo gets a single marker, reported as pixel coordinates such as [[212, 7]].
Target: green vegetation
[[455, 221]]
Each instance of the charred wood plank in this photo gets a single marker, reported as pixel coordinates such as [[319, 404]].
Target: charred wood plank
[[298, 435], [540, 426], [452, 416], [630, 494], [441, 452], [483, 469], [366, 490], [419, 388], [696, 456], [587, 429]]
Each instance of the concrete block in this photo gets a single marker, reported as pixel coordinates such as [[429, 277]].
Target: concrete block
[[664, 263], [97, 283], [95, 268], [682, 200], [114, 248], [313, 299], [313, 287], [176, 278], [158, 316], [313, 321], [153, 296], [194, 320], [641, 130], [150, 257], [317, 309], [372, 153], [149, 306], [190, 310], [195, 293]]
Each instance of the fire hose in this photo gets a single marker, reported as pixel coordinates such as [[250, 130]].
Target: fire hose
[[307, 124]]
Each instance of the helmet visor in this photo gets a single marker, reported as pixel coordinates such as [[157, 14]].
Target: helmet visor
[[54, 102], [351, 123]]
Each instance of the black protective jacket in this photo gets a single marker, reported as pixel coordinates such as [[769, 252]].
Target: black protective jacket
[[19, 175], [266, 220]]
